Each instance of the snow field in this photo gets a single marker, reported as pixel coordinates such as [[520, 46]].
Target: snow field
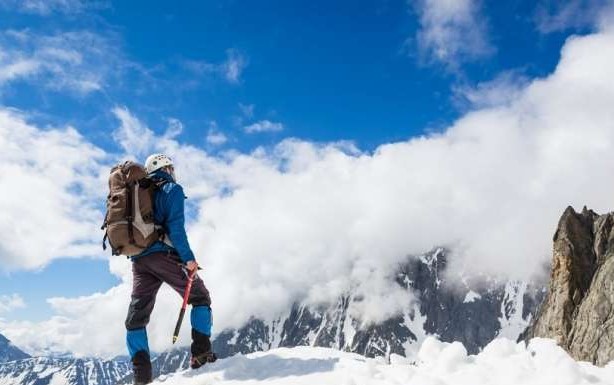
[[502, 362]]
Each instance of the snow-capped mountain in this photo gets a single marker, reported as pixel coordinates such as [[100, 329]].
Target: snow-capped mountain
[[9, 352], [473, 315], [46, 370], [89, 371]]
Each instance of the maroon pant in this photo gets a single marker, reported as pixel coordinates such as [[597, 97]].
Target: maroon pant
[[149, 272]]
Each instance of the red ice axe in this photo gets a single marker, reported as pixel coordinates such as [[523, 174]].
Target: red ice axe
[[186, 295]]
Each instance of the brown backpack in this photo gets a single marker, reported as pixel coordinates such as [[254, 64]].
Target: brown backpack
[[129, 221]]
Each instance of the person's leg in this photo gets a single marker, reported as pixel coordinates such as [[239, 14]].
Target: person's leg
[[144, 289], [200, 315], [170, 270], [201, 320]]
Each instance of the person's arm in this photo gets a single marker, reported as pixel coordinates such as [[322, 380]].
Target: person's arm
[[175, 224]]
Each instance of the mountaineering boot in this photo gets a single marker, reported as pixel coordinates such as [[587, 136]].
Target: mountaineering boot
[[201, 359], [201, 350], [141, 367]]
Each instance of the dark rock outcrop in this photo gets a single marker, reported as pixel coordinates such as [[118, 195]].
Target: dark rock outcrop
[[578, 311]]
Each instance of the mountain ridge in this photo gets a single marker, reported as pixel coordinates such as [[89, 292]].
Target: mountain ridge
[[472, 315], [10, 352]]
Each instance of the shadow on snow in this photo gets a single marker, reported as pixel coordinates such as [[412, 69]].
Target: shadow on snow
[[267, 367]]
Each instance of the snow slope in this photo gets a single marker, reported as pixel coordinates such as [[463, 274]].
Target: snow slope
[[502, 362]]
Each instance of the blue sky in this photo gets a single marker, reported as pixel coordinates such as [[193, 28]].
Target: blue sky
[[365, 72], [348, 72]]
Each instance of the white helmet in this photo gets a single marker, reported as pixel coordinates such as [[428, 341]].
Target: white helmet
[[157, 161]]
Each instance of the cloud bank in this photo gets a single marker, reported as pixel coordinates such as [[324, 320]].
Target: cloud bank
[[50, 180], [303, 221]]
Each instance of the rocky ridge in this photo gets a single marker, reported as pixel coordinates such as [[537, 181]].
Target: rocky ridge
[[578, 311]]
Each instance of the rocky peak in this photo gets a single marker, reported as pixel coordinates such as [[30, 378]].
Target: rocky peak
[[9, 352], [578, 311]]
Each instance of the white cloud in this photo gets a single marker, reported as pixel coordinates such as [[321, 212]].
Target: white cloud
[[504, 89], [246, 115], [234, 66], [231, 69], [17, 68], [132, 135], [46, 7], [555, 16], [306, 221], [10, 302], [199, 67], [215, 136], [303, 217], [247, 110], [80, 62], [50, 181], [174, 129], [451, 31], [263, 126]]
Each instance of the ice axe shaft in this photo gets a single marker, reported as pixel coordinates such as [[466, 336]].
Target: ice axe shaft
[[186, 295]]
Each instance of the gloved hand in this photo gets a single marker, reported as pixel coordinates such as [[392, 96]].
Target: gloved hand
[[191, 266]]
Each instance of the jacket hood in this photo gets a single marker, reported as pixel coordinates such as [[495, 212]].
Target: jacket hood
[[161, 175]]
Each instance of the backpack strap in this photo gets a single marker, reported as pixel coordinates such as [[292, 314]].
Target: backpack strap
[[130, 212], [162, 236], [104, 225]]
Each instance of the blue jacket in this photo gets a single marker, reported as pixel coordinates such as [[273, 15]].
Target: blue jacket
[[169, 213]]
